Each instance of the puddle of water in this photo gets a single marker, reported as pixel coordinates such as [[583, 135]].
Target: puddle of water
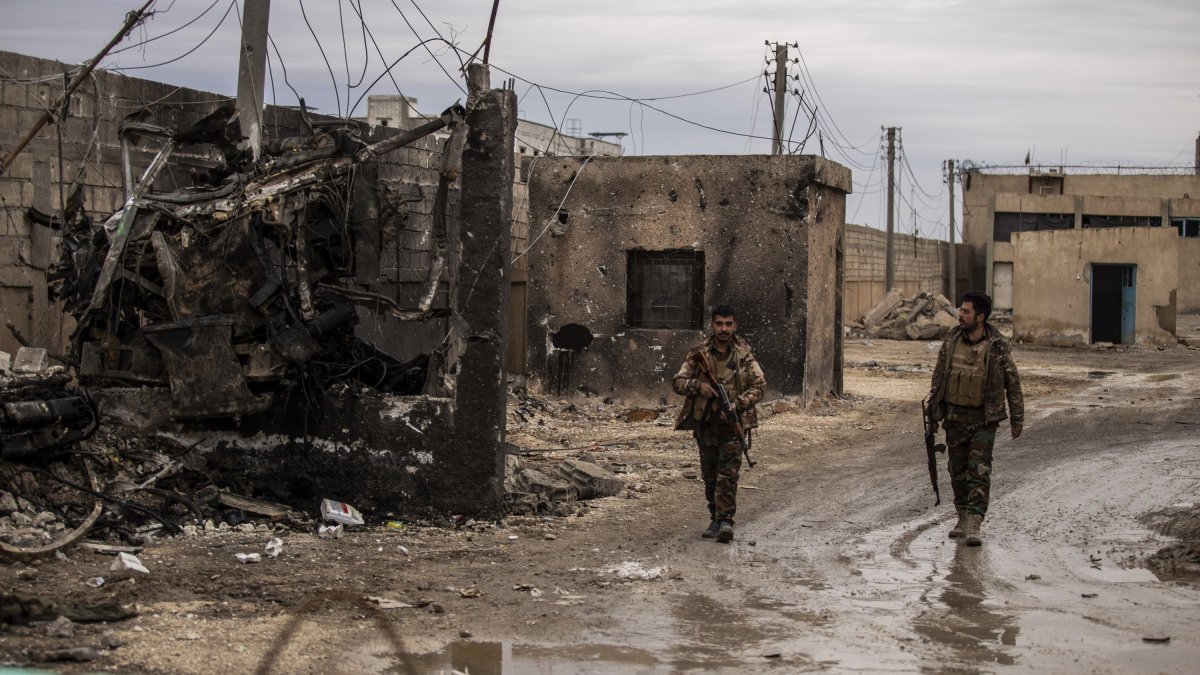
[[507, 658]]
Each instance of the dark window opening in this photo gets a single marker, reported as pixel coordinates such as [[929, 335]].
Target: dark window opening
[[665, 289], [1006, 223], [1188, 227], [383, 122], [1121, 221]]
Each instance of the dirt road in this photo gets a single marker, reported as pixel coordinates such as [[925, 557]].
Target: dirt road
[[840, 564]]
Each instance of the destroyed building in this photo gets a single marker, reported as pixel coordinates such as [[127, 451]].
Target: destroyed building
[[627, 257], [319, 321]]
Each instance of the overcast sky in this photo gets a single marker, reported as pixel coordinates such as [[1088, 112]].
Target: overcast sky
[[1099, 82]]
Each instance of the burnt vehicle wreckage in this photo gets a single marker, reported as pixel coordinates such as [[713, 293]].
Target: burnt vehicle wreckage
[[239, 295]]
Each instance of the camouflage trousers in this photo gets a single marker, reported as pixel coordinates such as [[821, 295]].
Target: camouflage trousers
[[720, 463], [969, 446]]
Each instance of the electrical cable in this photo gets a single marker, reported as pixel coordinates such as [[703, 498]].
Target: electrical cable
[[337, 96], [431, 54], [188, 52], [170, 32], [382, 59]]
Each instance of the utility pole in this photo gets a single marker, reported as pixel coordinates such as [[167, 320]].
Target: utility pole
[[889, 274], [953, 251], [252, 67], [780, 91]]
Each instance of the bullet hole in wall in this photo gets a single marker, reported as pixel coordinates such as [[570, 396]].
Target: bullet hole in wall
[[673, 195], [563, 215]]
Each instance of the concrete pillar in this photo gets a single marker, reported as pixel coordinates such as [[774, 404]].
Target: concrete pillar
[[481, 297]]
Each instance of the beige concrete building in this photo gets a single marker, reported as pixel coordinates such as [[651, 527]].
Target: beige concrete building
[[1109, 228], [1079, 286], [533, 139]]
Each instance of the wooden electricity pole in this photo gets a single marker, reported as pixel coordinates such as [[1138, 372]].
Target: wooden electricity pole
[[252, 68]]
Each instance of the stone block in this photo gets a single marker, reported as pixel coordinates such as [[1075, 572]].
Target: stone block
[[590, 480], [31, 360]]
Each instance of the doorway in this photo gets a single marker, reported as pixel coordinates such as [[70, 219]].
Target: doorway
[[1113, 303]]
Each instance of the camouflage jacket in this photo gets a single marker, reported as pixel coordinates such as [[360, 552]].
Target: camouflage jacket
[[749, 381], [1002, 381]]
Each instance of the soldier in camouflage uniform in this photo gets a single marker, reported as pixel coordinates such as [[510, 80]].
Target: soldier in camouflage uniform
[[974, 376], [729, 358]]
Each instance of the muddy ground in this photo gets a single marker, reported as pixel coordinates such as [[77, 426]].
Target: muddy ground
[[840, 562]]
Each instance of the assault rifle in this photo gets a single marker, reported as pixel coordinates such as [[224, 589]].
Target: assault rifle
[[931, 449], [726, 406]]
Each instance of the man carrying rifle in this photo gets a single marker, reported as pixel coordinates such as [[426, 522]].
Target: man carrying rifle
[[974, 376], [723, 361]]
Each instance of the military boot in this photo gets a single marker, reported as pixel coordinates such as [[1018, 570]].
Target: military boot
[[971, 531], [957, 531], [725, 532], [713, 529]]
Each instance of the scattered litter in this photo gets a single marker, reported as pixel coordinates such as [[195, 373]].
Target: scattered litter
[[773, 655], [249, 558], [549, 537], [1088, 595], [513, 537], [340, 512], [1033, 577], [471, 592], [330, 531], [389, 603], [1156, 639], [275, 547], [634, 570], [95, 582], [108, 549], [395, 525], [404, 550], [128, 561]]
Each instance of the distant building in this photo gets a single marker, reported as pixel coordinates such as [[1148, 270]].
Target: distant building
[[1102, 255], [533, 139]]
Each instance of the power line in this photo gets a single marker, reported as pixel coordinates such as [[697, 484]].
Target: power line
[[337, 96], [170, 32], [188, 52]]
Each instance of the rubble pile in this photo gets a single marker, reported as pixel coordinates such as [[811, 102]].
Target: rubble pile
[[243, 287], [117, 490], [925, 316]]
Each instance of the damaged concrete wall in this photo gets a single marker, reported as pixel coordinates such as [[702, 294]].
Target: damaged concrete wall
[[762, 234], [920, 265], [1053, 280], [346, 436], [92, 154]]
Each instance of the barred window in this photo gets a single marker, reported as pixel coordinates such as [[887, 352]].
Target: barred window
[[665, 289]]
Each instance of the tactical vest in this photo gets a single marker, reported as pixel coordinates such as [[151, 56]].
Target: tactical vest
[[968, 373], [726, 373]]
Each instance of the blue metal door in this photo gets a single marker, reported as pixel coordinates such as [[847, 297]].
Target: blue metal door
[[1128, 303]]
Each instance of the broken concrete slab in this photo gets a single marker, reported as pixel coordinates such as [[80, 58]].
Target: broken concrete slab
[[590, 480], [883, 308]]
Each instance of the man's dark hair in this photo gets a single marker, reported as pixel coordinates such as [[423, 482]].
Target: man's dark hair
[[981, 302], [723, 310]]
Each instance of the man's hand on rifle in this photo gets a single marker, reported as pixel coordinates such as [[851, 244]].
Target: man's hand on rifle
[[707, 391]]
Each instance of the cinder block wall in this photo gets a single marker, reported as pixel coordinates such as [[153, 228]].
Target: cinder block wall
[[920, 265], [90, 141]]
